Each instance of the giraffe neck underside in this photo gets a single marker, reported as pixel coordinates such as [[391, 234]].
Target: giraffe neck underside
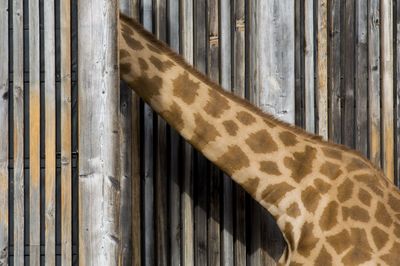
[[330, 203]]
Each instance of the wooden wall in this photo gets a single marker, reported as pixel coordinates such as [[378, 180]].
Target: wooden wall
[[330, 67]]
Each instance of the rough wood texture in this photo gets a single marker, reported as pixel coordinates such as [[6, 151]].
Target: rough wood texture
[[387, 88], [4, 99], [50, 133], [309, 93], [18, 132], [66, 160], [99, 184]]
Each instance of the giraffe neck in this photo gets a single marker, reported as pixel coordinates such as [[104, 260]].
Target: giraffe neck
[[301, 180]]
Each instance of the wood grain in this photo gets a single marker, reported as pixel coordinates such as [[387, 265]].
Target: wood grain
[[309, 91]]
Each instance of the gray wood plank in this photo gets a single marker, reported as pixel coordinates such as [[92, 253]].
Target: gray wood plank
[[299, 66], [99, 183], [397, 107], [4, 137], [18, 132], [309, 91]]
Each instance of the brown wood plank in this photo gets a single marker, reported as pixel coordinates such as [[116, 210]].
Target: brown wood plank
[[387, 88], [4, 135], [18, 131], [50, 133], [99, 183], [374, 114], [322, 68], [361, 81]]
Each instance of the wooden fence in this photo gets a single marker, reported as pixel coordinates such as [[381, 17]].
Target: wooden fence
[[123, 186]]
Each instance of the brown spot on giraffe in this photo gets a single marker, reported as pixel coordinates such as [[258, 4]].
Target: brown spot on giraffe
[[143, 64], [125, 68], [324, 258], [394, 203], [310, 198], [340, 242], [371, 182], [269, 123], [161, 65], [126, 29], [174, 116], [147, 87], [322, 186], [250, 185], [288, 138], [382, 216], [330, 170], [233, 160], [123, 53], [230, 127], [153, 48], [329, 216], [307, 240], [274, 193], [245, 118], [293, 210], [132, 43], [332, 153], [365, 197], [392, 258], [287, 231], [355, 213], [345, 190], [181, 83], [301, 164], [261, 142], [360, 251], [355, 164], [204, 132], [269, 167], [380, 237], [216, 104]]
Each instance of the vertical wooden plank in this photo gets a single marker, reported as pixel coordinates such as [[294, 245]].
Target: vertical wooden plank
[[161, 175], [34, 134], [309, 97], [186, 201], [361, 81], [50, 133], [335, 114], [347, 64], [99, 183], [66, 189], [299, 67], [18, 134], [322, 68], [397, 107], [174, 182], [4, 99], [374, 108], [214, 175], [239, 89], [387, 87]]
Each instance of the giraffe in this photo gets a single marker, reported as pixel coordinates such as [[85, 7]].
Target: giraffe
[[331, 204]]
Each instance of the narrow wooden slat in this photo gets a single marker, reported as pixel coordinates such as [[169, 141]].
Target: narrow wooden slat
[[34, 134], [335, 114], [214, 175], [239, 89], [174, 162], [186, 9], [309, 92], [161, 175], [148, 165], [99, 183], [299, 42], [387, 87], [374, 115], [397, 107], [322, 68], [18, 124], [66, 190], [361, 81], [4, 99], [50, 133]]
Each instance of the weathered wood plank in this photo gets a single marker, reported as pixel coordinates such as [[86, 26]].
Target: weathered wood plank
[[66, 160], [186, 9], [322, 68], [99, 184], [299, 42], [361, 81], [387, 88], [397, 107], [18, 134], [335, 99], [374, 113], [50, 133], [309, 92], [34, 134], [4, 135]]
